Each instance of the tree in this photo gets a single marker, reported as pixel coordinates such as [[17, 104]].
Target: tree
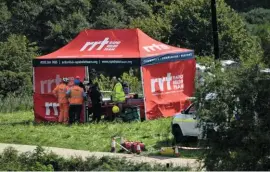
[[156, 26], [238, 118], [59, 22], [5, 16], [191, 22], [246, 5], [258, 24], [113, 14], [262, 31], [257, 16], [16, 56]]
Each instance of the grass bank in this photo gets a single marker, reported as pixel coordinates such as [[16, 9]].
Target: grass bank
[[19, 128]]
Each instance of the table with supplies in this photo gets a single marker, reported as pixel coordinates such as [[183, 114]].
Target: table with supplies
[[133, 109]]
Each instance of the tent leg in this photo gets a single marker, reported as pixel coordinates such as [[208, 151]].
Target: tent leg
[[143, 93], [86, 102], [34, 84], [87, 73]]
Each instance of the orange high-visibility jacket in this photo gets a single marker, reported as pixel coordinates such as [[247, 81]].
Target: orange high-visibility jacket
[[76, 95], [60, 92]]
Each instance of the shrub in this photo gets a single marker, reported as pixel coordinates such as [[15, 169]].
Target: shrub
[[239, 116], [13, 103]]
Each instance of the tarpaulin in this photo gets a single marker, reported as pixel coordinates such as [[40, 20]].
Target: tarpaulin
[[46, 107], [167, 87]]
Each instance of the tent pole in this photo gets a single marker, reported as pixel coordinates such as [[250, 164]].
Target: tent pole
[[34, 84], [86, 115], [87, 73], [143, 93]]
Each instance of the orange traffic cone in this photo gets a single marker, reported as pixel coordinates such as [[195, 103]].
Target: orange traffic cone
[[176, 151], [113, 145], [138, 148]]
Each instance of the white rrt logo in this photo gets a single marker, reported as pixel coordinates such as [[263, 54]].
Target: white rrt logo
[[155, 47], [49, 105], [109, 45], [160, 82]]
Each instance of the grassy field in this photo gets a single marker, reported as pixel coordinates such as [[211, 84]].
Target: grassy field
[[19, 128]]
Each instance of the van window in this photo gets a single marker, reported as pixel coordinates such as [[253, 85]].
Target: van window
[[191, 109]]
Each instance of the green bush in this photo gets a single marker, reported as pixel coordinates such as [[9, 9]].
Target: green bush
[[39, 160], [239, 114], [16, 54]]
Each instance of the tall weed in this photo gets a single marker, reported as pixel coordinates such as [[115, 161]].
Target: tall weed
[[12, 103]]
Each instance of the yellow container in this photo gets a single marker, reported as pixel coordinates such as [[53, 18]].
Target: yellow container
[[167, 151]]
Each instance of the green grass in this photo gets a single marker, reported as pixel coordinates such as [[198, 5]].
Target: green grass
[[19, 128]]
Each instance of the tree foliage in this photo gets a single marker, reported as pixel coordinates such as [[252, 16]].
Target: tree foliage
[[238, 118], [246, 5], [192, 28], [258, 24], [51, 24], [16, 56]]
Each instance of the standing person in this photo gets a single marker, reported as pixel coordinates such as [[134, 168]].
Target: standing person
[[70, 83], [90, 85], [96, 99], [60, 93], [81, 84], [118, 94], [126, 88], [77, 96]]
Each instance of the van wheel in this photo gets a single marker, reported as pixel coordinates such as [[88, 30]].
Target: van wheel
[[178, 135]]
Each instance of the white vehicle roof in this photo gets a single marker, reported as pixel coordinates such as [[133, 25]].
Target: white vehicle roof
[[200, 67], [227, 62], [267, 70]]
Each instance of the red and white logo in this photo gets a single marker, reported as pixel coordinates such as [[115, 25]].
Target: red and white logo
[[155, 47], [167, 84], [105, 45], [51, 105], [46, 86]]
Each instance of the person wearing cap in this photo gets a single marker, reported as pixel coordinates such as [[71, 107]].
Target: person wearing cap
[[81, 84], [60, 93], [76, 99], [118, 94]]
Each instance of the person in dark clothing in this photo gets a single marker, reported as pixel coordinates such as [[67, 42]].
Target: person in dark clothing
[[81, 84], [89, 87], [96, 99]]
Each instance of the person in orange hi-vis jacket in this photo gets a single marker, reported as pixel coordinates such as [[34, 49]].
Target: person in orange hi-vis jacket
[[60, 93], [76, 97]]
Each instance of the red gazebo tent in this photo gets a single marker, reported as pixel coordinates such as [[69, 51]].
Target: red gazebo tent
[[167, 72]]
